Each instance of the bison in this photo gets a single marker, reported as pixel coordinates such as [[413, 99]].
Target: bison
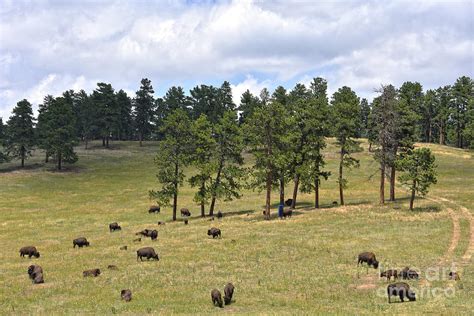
[[154, 234], [369, 258], [287, 213], [389, 274], [34, 270], [454, 276], [216, 298], [80, 242], [214, 232], [408, 274], [154, 209], [38, 279], [126, 295], [185, 212], [161, 223], [228, 293], [91, 272], [289, 202], [29, 251], [114, 226], [185, 222], [147, 252], [402, 290], [145, 233], [220, 215]]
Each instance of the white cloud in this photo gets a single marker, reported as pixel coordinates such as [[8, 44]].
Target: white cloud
[[357, 43]]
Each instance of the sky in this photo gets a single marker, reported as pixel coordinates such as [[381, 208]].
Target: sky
[[47, 47]]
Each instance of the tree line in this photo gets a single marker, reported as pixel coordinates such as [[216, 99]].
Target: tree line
[[285, 131]]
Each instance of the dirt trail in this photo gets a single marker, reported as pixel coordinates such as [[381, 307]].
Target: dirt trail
[[456, 235]]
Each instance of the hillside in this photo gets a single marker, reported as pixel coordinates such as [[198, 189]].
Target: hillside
[[305, 264]]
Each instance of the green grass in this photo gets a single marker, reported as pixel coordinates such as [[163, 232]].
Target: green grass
[[302, 265]]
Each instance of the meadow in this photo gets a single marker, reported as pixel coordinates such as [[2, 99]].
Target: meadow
[[302, 265]]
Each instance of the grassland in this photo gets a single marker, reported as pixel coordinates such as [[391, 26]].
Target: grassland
[[302, 265]]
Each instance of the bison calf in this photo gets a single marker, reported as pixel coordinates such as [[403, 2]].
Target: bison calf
[[126, 295], [409, 274], [80, 242], [402, 290], [147, 252], [369, 258], [29, 251], [228, 293], [216, 298], [185, 212], [154, 209], [214, 232], [389, 274], [114, 226], [92, 272]]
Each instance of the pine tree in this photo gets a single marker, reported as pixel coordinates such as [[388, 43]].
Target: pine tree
[[419, 171], [462, 92], [345, 116], [174, 154], [20, 136], [144, 109], [3, 156], [364, 118], [125, 121], [106, 111], [248, 104]]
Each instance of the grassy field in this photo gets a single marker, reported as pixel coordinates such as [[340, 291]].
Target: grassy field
[[302, 265]]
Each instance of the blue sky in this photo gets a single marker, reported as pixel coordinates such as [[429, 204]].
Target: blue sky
[[47, 47]]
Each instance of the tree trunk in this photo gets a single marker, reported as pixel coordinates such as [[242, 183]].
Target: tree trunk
[[175, 195], [392, 183], [341, 188], [203, 211], [140, 138], [295, 190], [216, 185], [382, 184], [412, 196], [22, 156], [107, 142], [59, 161], [316, 192], [370, 147], [282, 189], [46, 159], [86, 142], [269, 192], [429, 132], [103, 141], [441, 134]]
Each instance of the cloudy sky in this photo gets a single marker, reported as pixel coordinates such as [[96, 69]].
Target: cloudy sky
[[47, 47]]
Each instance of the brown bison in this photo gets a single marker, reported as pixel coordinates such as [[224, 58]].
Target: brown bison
[[228, 293], [214, 232], [161, 223], [409, 274], [369, 258], [29, 251], [289, 202], [454, 276], [402, 290], [216, 298], [34, 270], [38, 279], [185, 212], [147, 252], [389, 274], [154, 209], [80, 242], [126, 295], [219, 215], [91, 272], [287, 213], [154, 234], [114, 226]]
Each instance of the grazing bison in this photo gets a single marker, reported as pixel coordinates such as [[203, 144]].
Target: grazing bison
[[114, 226], [34, 270], [287, 213], [369, 258], [402, 290], [29, 251], [126, 295], [185, 212], [80, 242], [220, 215], [147, 252], [289, 202], [154, 234], [454, 276], [334, 203], [214, 232], [154, 209], [112, 267], [228, 293], [91, 272], [389, 274], [216, 298], [409, 274], [123, 248], [145, 233]]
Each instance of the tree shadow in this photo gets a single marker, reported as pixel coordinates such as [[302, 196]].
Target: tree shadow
[[426, 209], [27, 167]]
